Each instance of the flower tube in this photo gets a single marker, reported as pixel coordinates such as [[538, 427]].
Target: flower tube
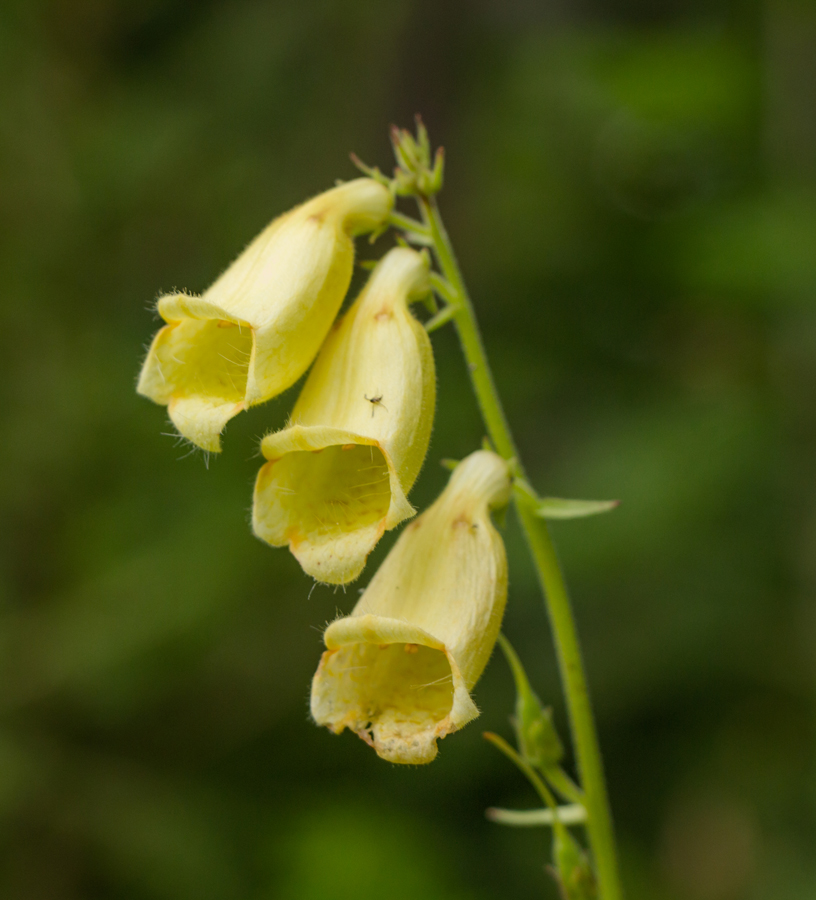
[[337, 476], [256, 330], [398, 671]]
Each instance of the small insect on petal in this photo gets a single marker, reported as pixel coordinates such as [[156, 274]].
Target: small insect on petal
[[375, 401], [334, 509]]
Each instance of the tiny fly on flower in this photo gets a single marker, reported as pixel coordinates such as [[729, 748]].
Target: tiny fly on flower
[[375, 401]]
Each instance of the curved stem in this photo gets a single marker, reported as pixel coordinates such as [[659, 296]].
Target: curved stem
[[585, 740], [532, 776]]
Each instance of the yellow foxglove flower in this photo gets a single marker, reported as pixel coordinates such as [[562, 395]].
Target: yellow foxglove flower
[[398, 671], [338, 474], [256, 330]]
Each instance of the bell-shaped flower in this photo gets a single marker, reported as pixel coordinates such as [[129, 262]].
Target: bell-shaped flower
[[256, 330], [338, 474], [398, 671]]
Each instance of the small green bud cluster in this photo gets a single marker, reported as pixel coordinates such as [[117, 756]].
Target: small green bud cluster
[[418, 173], [415, 174], [540, 750]]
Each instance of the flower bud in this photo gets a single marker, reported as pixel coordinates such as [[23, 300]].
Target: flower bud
[[398, 671], [538, 741], [338, 474], [256, 330], [573, 872]]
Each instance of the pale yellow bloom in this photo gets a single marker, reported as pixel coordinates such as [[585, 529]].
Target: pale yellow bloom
[[338, 474], [398, 671], [256, 330]]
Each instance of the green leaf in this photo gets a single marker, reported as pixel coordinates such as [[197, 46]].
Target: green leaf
[[573, 814], [558, 508]]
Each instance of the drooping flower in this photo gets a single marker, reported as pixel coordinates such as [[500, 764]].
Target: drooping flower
[[398, 671], [337, 476], [256, 330]]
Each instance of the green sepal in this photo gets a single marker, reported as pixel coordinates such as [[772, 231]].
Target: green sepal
[[371, 171], [429, 302], [538, 740], [405, 148], [558, 508], [423, 141], [437, 173], [449, 464]]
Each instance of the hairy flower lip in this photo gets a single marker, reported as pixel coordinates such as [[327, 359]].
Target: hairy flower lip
[[331, 566], [398, 745], [283, 292], [384, 630]]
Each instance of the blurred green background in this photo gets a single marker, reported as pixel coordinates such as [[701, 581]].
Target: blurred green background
[[632, 191]]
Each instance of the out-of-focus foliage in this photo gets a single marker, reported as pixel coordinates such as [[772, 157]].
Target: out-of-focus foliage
[[632, 191]]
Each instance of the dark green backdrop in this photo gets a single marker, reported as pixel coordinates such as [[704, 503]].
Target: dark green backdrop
[[632, 192]]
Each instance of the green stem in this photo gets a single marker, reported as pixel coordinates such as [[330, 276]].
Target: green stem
[[532, 776], [585, 740], [563, 784], [406, 223]]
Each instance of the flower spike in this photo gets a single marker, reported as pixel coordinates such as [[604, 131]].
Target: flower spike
[[256, 330], [338, 474], [398, 671]]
